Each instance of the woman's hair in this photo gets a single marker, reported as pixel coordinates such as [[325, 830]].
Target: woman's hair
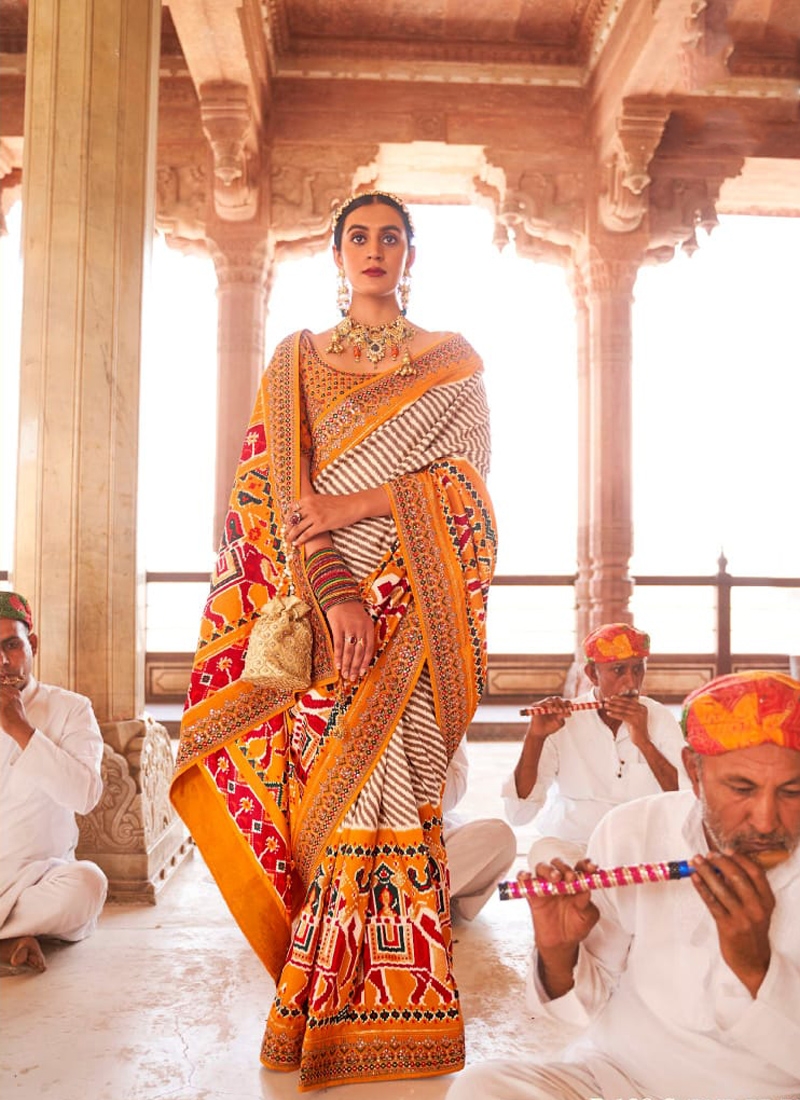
[[369, 198]]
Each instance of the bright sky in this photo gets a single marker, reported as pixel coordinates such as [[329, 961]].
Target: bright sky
[[716, 398]]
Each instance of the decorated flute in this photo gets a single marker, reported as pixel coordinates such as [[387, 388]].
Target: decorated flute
[[589, 704], [621, 876]]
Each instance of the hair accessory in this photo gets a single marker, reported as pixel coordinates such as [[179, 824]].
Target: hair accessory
[[342, 293], [343, 207], [373, 340]]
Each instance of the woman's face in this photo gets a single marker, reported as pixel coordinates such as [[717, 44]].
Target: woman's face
[[375, 252]]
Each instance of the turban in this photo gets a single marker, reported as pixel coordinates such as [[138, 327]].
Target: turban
[[14, 606], [615, 642], [741, 711]]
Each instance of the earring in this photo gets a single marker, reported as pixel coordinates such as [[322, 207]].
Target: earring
[[342, 293], [404, 290]]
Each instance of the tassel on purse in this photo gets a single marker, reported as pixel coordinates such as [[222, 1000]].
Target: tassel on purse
[[280, 644]]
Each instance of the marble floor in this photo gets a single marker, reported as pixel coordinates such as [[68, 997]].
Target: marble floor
[[167, 1002]]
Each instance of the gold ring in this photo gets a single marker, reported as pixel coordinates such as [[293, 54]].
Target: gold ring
[[351, 640], [361, 641], [295, 517]]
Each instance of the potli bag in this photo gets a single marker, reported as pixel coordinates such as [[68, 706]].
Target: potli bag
[[279, 650]]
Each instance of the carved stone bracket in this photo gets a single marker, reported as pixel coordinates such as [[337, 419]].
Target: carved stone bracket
[[228, 124], [303, 195], [622, 205], [133, 833], [680, 203], [182, 204], [544, 213]]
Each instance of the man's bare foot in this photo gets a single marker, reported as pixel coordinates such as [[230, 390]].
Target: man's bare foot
[[23, 952]]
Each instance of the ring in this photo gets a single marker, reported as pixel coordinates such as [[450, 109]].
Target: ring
[[351, 640], [295, 517], [361, 641]]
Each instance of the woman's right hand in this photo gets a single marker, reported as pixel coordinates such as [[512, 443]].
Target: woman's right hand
[[353, 636]]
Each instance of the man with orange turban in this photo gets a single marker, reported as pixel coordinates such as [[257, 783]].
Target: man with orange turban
[[685, 989], [577, 764]]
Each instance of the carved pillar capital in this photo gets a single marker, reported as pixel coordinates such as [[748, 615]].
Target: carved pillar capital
[[241, 259], [606, 274], [227, 119]]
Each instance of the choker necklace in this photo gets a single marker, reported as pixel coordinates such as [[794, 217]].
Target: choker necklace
[[373, 340]]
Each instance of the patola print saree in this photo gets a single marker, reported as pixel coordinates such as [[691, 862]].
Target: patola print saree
[[319, 814]]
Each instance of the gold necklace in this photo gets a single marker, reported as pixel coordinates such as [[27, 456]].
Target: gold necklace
[[373, 341]]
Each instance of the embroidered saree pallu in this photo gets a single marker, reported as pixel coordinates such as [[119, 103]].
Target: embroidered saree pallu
[[319, 812]]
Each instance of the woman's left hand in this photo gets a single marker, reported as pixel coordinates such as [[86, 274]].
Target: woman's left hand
[[353, 636], [317, 513]]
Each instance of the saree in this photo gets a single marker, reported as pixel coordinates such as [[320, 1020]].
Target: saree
[[319, 812]]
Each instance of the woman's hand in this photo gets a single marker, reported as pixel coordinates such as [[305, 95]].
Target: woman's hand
[[353, 635], [317, 513]]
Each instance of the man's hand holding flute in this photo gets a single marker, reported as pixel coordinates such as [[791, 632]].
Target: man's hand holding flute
[[560, 924]]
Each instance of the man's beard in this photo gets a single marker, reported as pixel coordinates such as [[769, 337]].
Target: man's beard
[[744, 842]]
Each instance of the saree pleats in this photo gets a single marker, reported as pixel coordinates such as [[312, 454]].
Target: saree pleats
[[319, 814]]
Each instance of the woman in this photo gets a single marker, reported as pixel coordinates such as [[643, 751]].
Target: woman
[[319, 811]]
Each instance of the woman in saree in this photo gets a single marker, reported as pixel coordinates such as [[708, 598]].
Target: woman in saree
[[318, 811]]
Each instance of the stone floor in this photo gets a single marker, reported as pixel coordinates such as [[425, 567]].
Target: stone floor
[[168, 1002]]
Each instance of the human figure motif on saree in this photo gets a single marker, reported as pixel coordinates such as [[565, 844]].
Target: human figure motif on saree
[[319, 811]]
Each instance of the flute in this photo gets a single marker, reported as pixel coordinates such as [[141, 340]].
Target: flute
[[589, 704], [622, 876]]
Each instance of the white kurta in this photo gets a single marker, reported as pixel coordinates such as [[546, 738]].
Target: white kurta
[[478, 852], [584, 771], [43, 786], [665, 1008]]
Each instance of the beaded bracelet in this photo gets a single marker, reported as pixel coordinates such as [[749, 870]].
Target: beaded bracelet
[[331, 580]]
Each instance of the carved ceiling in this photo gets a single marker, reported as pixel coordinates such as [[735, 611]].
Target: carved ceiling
[[632, 119]]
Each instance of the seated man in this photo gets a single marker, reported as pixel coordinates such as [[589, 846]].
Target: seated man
[[575, 766], [478, 852], [689, 989], [50, 753]]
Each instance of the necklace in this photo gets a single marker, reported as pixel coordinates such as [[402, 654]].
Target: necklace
[[373, 340]]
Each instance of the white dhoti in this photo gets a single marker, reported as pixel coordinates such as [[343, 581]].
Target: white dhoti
[[478, 854], [517, 1080], [63, 901]]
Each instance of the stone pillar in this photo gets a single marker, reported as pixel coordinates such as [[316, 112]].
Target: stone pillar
[[609, 281], [582, 583], [574, 682], [243, 260], [88, 189]]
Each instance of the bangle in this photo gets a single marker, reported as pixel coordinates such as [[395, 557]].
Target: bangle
[[330, 579]]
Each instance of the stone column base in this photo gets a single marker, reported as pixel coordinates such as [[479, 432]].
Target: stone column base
[[133, 833]]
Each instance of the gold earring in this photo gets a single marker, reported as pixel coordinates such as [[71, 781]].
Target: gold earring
[[342, 293], [404, 290]]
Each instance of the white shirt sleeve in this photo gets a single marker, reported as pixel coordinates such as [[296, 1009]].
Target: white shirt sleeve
[[455, 783], [520, 811], [667, 736], [67, 771]]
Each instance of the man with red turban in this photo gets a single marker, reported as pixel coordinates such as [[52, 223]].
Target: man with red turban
[[50, 753], [685, 988], [577, 764]]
